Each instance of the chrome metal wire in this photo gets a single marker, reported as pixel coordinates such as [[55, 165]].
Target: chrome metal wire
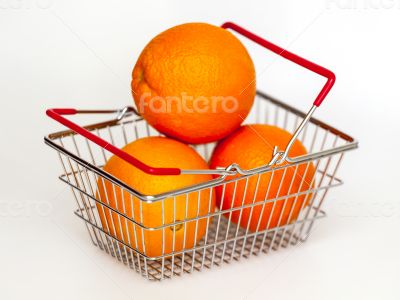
[[120, 229]]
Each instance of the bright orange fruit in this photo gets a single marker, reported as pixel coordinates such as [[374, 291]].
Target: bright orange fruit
[[194, 82], [252, 146], [157, 152]]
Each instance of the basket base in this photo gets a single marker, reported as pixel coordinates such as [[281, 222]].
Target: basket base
[[216, 251]]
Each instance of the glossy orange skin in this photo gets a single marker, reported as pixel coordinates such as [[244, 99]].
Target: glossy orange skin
[[159, 152], [182, 77], [251, 146]]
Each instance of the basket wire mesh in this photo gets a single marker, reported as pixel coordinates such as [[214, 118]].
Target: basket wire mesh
[[224, 241]]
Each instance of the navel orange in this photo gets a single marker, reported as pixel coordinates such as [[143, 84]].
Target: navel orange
[[252, 146], [148, 237], [194, 82]]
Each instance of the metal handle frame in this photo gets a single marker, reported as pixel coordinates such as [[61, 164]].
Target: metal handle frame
[[278, 156]]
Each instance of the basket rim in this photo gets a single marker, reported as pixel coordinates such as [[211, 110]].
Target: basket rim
[[350, 145]]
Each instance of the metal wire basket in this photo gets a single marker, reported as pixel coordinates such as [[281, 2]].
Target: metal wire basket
[[223, 241]]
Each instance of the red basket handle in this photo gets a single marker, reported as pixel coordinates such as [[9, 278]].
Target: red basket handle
[[330, 76], [57, 113]]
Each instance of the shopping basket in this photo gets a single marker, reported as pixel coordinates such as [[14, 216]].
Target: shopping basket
[[84, 150]]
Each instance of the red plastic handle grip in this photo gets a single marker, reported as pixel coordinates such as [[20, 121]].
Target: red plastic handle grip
[[290, 56], [56, 114]]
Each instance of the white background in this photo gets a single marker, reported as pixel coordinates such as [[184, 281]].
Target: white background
[[81, 53]]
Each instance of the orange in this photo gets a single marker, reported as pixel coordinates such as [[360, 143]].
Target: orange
[[194, 82], [148, 238], [252, 146]]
